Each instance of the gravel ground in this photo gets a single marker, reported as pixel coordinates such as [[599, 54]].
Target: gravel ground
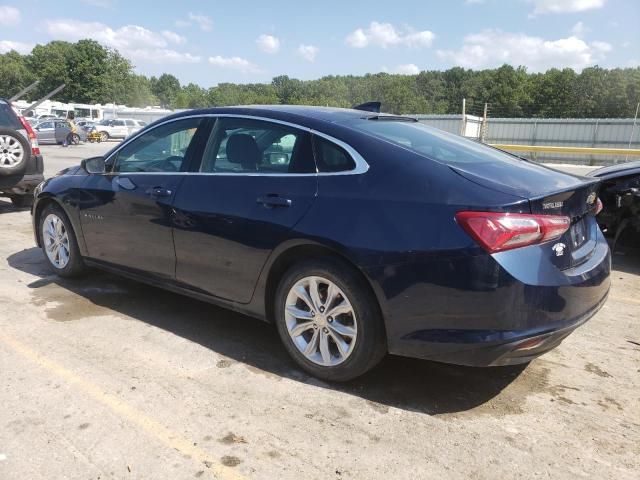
[[106, 378]]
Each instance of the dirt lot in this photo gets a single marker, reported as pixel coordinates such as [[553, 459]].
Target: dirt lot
[[106, 378]]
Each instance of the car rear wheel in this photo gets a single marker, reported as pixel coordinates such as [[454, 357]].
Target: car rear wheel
[[329, 321], [15, 152], [59, 242], [104, 136]]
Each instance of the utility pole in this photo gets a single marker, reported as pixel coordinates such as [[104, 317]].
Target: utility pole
[[633, 129], [483, 129], [463, 123], [25, 90]]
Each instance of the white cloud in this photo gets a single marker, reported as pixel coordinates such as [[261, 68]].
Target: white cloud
[[308, 52], [202, 21], [131, 40], [385, 35], [174, 37], [579, 29], [492, 48], [20, 47], [234, 63], [405, 69], [9, 16], [565, 6], [268, 44]]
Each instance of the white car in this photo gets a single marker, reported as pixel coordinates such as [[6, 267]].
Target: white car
[[119, 128]]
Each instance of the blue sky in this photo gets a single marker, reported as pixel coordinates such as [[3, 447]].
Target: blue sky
[[208, 42]]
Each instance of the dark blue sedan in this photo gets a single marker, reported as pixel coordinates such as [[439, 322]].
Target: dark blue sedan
[[356, 233]]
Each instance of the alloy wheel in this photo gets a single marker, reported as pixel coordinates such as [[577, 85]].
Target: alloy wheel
[[11, 151], [321, 321], [56, 241]]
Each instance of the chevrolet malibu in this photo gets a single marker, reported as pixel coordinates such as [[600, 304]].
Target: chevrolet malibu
[[356, 233]]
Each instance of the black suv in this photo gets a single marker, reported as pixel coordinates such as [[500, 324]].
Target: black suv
[[21, 166]]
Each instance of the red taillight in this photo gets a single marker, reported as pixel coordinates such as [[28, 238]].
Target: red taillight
[[496, 231], [599, 206], [35, 148]]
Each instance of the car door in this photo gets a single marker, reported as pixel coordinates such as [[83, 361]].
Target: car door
[[62, 129], [118, 129], [45, 131], [126, 213], [257, 179]]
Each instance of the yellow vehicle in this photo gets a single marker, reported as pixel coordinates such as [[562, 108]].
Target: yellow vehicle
[[94, 136]]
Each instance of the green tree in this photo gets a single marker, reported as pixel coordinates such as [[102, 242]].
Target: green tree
[[15, 73], [166, 88]]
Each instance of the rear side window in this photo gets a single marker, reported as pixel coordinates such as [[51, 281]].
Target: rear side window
[[8, 118], [445, 147], [332, 158]]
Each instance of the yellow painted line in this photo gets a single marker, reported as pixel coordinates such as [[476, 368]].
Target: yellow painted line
[[121, 408], [625, 299], [567, 150]]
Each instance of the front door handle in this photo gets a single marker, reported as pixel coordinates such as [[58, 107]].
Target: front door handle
[[159, 192], [271, 201]]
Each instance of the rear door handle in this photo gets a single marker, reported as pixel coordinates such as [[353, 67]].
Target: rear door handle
[[159, 192], [271, 201]]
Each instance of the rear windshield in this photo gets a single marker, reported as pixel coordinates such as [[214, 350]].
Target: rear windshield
[[8, 118], [433, 143]]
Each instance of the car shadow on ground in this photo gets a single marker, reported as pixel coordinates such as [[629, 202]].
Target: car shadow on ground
[[405, 383], [7, 207]]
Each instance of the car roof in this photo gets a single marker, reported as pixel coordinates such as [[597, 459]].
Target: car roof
[[283, 112]]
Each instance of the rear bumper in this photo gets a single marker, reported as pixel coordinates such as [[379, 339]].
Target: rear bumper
[[489, 349], [20, 184], [486, 315]]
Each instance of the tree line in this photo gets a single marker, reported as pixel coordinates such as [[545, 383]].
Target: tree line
[[95, 74]]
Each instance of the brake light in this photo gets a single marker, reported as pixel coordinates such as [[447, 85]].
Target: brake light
[[599, 206], [35, 148], [496, 232]]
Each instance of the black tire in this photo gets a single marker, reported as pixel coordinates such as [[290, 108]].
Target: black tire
[[371, 345], [104, 136], [22, 201], [13, 137], [75, 266], [73, 139]]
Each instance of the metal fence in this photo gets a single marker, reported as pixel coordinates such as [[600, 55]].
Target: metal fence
[[566, 132]]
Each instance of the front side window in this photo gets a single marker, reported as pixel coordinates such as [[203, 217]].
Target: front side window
[[163, 149], [239, 145]]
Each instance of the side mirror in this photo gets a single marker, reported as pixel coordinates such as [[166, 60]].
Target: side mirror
[[93, 165]]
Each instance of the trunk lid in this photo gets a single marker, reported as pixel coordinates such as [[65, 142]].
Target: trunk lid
[[550, 192]]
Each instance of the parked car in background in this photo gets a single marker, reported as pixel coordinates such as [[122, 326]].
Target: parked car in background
[[57, 132], [620, 195], [119, 128], [356, 233], [21, 165], [87, 125]]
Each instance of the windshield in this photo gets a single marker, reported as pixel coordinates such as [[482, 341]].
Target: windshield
[[433, 143]]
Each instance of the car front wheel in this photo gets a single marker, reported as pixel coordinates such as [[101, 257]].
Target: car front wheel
[[59, 242], [329, 320]]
